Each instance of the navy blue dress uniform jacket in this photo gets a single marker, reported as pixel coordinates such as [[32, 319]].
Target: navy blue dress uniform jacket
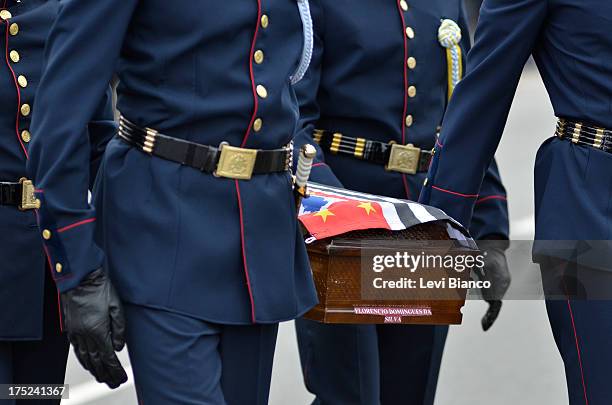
[[24, 28], [376, 73], [173, 237], [571, 44]]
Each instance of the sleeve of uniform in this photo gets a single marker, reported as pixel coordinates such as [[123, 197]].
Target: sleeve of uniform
[[81, 53], [101, 128], [491, 208], [307, 90], [476, 117]]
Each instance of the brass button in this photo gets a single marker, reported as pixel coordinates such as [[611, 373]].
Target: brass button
[[265, 21], [261, 91], [25, 110], [14, 29], [410, 32], [23, 82], [46, 234], [58, 267], [409, 120], [258, 56], [412, 91], [257, 125], [411, 62], [5, 14], [404, 5], [14, 55], [26, 136]]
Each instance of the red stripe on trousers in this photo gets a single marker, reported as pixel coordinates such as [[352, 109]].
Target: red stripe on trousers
[[569, 307]]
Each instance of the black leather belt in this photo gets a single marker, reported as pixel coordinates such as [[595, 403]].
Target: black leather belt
[[223, 161], [585, 134], [20, 195], [406, 159]]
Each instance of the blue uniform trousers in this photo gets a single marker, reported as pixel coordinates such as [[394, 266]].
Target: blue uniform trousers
[[178, 359], [579, 307], [37, 361], [371, 364]]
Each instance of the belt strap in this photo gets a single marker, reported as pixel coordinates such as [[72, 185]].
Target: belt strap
[[407, 159], [223, 161], [10, 193], [20, 195], [585, 134]]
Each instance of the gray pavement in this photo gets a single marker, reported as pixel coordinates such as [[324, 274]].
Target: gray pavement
[[514, 363]]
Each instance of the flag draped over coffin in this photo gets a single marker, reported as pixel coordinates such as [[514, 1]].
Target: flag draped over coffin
[[331, 211]]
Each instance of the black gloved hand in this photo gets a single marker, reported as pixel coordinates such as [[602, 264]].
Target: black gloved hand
[[94, 322], [497, 273]]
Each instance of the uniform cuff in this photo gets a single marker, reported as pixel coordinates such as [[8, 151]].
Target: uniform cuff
[[69, 246], [490, 217]]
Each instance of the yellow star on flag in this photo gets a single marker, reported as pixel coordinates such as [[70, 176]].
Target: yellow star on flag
[[367, 206], [324, 214]]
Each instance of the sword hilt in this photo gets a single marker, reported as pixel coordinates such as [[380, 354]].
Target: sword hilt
[[304, 164], [302, 173]]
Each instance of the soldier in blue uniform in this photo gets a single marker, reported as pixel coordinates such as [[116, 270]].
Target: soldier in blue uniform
[[571, 44], [373, 100], [194, 201], [33, 350]]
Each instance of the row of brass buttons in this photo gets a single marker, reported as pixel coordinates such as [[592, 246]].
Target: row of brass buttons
[[25, 109], [410, 63], [258, 58]]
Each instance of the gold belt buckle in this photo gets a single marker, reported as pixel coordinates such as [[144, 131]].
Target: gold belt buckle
[[404, 159], [236, 163], [28, 198]]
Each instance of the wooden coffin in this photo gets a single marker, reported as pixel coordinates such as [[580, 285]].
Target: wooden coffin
[[337, 269]]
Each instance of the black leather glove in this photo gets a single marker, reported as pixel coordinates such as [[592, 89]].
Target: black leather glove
[[94, 322], [497, 273]]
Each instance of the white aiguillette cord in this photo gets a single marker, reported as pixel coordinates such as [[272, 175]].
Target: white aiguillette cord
[[449, 36], [304, 7]]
